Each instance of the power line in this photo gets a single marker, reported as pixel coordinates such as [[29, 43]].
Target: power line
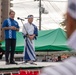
[[57, 7], [49, 15], [22, 2], [54, 7], [58, 1], [23, 8]]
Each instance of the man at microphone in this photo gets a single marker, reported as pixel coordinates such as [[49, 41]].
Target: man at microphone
[[10, 26], [30, 32]]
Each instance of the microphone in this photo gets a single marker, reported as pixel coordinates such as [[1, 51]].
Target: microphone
[[20, 18]]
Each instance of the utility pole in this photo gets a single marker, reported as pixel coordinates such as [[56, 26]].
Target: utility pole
[[5, 6], [40, 11]]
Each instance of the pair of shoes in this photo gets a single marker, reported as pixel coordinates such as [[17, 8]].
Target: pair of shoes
[[33, 63], [25, 61], [7, 63], [13, 62]]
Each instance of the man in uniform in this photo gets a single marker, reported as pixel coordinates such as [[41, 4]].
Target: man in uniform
[[30, 32]]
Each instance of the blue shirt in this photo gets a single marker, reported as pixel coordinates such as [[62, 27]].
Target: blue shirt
[[13, 32]]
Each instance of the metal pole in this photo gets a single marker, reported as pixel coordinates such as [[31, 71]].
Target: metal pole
[[39, 14]]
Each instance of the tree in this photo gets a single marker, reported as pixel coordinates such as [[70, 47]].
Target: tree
[[63, 23]]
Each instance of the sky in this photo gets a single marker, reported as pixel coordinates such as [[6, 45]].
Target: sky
[[55, 8]]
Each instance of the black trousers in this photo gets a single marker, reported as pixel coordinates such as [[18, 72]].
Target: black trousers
[[10, 45]]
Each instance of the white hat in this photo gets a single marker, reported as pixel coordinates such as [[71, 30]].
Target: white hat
[[72, 8], [30, 16]]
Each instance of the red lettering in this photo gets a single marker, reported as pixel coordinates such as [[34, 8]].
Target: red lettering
[[22, 72], [36, 73], [25, 72], [29, 73]]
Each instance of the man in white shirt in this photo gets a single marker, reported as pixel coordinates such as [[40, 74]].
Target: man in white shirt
[[30, 32], [68, 67]]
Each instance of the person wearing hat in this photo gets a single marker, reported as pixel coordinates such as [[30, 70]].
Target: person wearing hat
[[30, 33], [1, 51], [68, 66]]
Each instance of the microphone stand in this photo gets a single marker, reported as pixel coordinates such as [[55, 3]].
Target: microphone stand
[[25, 40], [22, 22]]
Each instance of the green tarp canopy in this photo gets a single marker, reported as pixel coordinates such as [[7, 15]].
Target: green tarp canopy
[[48, 40]]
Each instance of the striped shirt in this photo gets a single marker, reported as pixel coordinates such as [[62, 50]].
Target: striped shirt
[[68, 67]]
